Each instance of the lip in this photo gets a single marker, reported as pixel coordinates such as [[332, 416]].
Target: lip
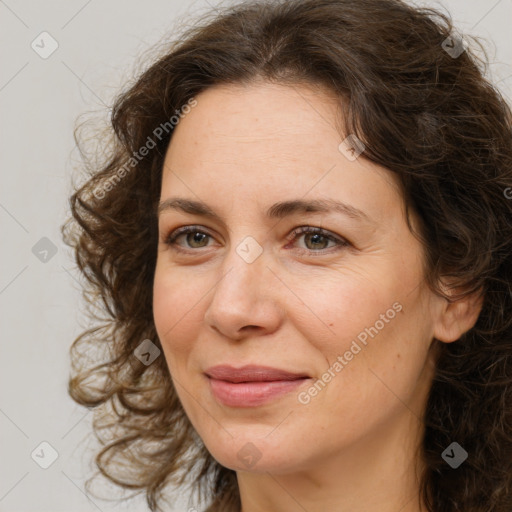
[[251, 385]]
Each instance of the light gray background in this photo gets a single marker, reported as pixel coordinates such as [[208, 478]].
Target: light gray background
[[40, 100]]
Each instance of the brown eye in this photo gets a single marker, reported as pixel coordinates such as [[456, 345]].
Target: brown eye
[[316, 240], [194, 237]]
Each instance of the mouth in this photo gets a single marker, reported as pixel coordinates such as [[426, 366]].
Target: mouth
[[251, 385]]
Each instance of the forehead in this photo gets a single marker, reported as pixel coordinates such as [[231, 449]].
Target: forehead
[[260, 114], [270, 141]]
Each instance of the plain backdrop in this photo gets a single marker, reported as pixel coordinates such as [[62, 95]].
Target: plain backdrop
[[40, 305]]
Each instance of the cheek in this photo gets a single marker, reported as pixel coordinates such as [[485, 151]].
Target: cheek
[[176, 312], [372, 325], [377, 360], [334, 313]]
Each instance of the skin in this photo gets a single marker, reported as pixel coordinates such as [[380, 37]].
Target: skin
[[299, 305]]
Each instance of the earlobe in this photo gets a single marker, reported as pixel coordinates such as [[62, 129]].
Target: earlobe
[[458, 316]]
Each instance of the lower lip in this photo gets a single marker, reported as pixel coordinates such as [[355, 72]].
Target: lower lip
[[251, 394]]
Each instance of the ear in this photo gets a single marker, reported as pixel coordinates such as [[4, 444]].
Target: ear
[[457, 316]]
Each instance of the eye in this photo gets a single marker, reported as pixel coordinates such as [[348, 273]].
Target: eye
[[193, 235], [317, 239]]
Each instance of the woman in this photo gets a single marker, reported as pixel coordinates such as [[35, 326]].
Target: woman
[[303, 242]]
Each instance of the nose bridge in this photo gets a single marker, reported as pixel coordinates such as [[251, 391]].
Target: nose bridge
[[243, 296], [242, 268]]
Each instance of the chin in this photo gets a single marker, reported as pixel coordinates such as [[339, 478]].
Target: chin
[[255, 454]]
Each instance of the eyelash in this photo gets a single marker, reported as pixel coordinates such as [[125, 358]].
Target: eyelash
[[341, 242]]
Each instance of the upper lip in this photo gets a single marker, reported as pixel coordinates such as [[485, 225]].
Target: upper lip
[[251, 373]]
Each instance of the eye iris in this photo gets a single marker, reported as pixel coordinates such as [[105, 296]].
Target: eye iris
[[317, 239], [196, 237]]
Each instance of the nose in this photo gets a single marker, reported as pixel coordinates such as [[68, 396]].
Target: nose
[[245, 301]]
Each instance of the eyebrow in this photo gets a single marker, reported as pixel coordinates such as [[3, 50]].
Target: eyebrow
[[276, 211]]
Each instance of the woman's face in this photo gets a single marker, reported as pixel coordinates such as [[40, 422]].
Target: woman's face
[[347, 308]]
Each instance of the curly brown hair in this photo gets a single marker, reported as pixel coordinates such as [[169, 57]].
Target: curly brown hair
[[424, 113]]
